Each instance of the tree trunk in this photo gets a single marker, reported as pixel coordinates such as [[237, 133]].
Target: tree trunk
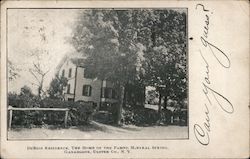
[[165, 102], [166, 97], [125, 95], [159, 104], [119, 112], [39, 91], [40, 88]]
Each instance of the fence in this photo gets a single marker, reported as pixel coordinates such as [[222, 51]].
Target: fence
[[11, 109]]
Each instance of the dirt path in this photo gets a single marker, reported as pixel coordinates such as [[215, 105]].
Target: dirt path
[[101, 131]]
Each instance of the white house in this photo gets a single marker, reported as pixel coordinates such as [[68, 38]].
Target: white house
[[82, 88]]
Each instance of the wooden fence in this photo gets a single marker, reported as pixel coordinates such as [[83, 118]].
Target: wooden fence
[[11, 109]]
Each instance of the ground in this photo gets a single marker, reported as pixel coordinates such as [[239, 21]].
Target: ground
[[101, 131]]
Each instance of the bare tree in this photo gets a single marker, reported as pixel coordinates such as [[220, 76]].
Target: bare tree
[[39, 74], [40, 55]]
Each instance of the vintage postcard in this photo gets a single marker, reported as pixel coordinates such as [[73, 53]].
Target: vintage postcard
[[125, 79]]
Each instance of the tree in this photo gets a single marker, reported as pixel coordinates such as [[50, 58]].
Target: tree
[[165, 62], [56, 87], [39, 74], [41, 58], [139, 46], [105, 36]]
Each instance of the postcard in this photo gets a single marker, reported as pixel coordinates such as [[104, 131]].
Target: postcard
[[125, 79]]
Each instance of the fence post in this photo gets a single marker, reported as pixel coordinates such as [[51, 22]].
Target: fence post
[[10, 117], [66, 117]]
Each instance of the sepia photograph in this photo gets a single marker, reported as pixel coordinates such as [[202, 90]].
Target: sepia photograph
[[97, 73]]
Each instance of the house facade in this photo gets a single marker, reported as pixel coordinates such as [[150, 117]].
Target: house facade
[[81, 87]]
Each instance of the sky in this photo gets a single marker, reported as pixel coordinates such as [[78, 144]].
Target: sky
[[38, 35]]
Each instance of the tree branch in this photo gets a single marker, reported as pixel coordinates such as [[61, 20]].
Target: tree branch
[[35, 76]]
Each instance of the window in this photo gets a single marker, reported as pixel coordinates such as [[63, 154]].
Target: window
[[114, 95], [86, 90], [70, 72], [108, 93], [63, 72], [68, 89]]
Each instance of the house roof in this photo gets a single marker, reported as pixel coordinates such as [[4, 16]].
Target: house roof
[[78, 61]]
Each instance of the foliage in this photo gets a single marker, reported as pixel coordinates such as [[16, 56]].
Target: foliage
[[56, 87], [25, 90], [25, 99], [107, 113], [140, 117], [149, 117], [135, 46], [107, 37], [165, 61], [79, 112], [165, 116], [104, 117]]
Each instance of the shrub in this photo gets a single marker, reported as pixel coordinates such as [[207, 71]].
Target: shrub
[[104, 117], [183, 118], [128, 116], [165, 116], [23, 100], [107, 113], [140, 116], [79, 112]]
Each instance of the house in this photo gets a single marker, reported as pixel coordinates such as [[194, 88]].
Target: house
[[81, 87]]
